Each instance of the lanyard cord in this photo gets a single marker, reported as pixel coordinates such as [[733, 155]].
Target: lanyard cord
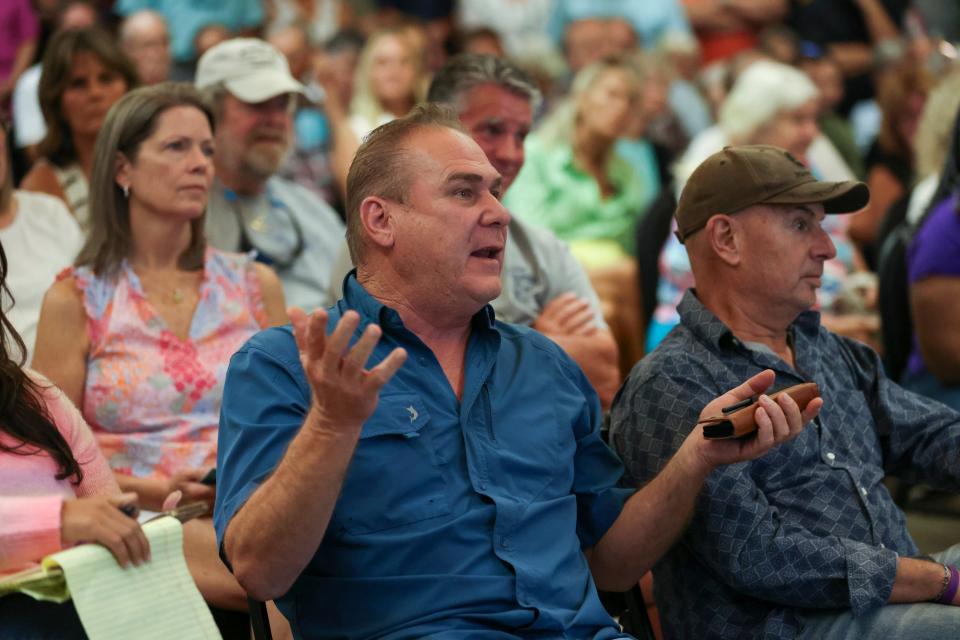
[[247, 245]]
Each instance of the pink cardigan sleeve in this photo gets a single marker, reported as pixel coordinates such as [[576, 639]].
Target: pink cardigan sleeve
[[98, 478], [29, 529], [30, 525]]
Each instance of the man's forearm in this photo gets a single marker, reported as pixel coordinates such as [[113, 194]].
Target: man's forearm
[[916, 581], [273, 536], [650, 523], [597, 356]]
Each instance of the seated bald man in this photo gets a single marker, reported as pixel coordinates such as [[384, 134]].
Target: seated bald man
[[805, 542], [425, 470]]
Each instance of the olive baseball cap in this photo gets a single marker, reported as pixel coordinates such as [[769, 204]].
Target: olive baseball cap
[[739, 177]]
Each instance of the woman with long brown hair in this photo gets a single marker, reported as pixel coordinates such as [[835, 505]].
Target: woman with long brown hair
[[84, 73], [139, 333], [56, 489]]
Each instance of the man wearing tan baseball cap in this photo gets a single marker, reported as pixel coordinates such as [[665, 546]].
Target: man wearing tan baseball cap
[[806, 542], [253, 95]]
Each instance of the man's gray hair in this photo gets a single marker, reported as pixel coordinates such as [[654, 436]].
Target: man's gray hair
[[213, 97], [468, 70]]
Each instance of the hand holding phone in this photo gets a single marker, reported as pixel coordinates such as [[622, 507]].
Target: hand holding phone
[[737, 420]]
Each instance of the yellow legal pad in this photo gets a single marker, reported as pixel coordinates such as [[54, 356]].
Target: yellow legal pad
[[158, 599]]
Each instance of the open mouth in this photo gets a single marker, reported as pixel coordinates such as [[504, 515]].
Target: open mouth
[[488, 253]]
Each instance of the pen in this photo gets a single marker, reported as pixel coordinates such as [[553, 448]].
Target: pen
[[129, 510]]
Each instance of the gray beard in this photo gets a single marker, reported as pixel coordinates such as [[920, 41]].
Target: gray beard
[[263, 164]]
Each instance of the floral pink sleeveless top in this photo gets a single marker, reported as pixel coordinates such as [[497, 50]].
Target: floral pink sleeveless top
[[152, 399]]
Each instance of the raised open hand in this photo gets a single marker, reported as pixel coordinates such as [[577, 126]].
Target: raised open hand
[[345, 392]]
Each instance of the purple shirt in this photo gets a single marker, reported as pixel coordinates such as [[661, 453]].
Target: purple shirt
[[935, 251], [18, 25]]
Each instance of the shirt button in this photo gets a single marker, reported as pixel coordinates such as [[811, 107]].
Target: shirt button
[[504, 542], [831, 456], [883, 546], [863, 490]]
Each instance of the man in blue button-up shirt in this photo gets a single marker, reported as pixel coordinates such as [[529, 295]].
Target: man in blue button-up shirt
[[805, 542], [459, 487]]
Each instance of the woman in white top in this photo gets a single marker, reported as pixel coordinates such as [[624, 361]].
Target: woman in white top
[[84, 72], [40, 238]]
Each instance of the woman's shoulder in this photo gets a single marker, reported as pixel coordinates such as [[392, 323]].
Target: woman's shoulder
[[43, 209], [219, 260], [42, 178]]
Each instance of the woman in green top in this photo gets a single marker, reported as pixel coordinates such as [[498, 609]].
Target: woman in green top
[[573, 181]]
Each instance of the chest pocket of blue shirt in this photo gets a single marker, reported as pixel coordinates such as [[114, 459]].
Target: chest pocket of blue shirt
[[394, 478]]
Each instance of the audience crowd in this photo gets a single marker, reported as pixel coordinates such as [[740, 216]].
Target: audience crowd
[[653, 182]]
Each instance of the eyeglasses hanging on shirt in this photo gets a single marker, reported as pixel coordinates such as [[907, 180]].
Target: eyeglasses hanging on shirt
[[265, 224]]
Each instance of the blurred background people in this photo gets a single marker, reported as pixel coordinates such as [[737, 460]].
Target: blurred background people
[[251, 208], [520, 27], [650, 20], [19, 30], [933, 271], [389, 80], [84, 73], [321, 20], [933, 142], [139, 333], [826, 73], [146, 41], [728, 27], [575, 183], [323, 141], [890, 163], [41, 239], [190, 19], [28, 124]]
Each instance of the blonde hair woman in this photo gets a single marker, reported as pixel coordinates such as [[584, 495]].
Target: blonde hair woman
[[389, 80]]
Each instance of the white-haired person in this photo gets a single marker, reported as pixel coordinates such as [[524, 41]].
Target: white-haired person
[[774, 104]]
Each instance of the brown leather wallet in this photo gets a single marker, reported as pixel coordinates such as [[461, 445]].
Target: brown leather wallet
[[738, 419]]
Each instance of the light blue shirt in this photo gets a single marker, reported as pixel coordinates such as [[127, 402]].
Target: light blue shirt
[[651, 19], [292, 230], [185, 18], [456, 517]]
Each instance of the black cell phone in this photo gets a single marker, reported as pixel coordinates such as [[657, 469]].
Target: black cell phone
[[210, 477]]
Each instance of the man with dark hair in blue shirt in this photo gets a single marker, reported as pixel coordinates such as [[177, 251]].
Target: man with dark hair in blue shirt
[[459, 486]]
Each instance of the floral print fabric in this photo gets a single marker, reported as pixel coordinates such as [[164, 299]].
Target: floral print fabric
[[153, 399]]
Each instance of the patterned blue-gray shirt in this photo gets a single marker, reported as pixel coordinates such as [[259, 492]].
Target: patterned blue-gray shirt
[[808, 526]]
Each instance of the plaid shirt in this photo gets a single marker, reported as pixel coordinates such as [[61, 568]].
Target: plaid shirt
[[810, 525]]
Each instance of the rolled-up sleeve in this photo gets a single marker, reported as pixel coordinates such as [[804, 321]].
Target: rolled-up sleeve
[[597, 470], [265, 401]]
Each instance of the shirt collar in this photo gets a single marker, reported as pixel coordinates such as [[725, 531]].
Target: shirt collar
[[708, 327], [373, 310]]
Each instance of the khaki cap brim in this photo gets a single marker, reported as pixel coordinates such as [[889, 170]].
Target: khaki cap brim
[[262, 85]]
